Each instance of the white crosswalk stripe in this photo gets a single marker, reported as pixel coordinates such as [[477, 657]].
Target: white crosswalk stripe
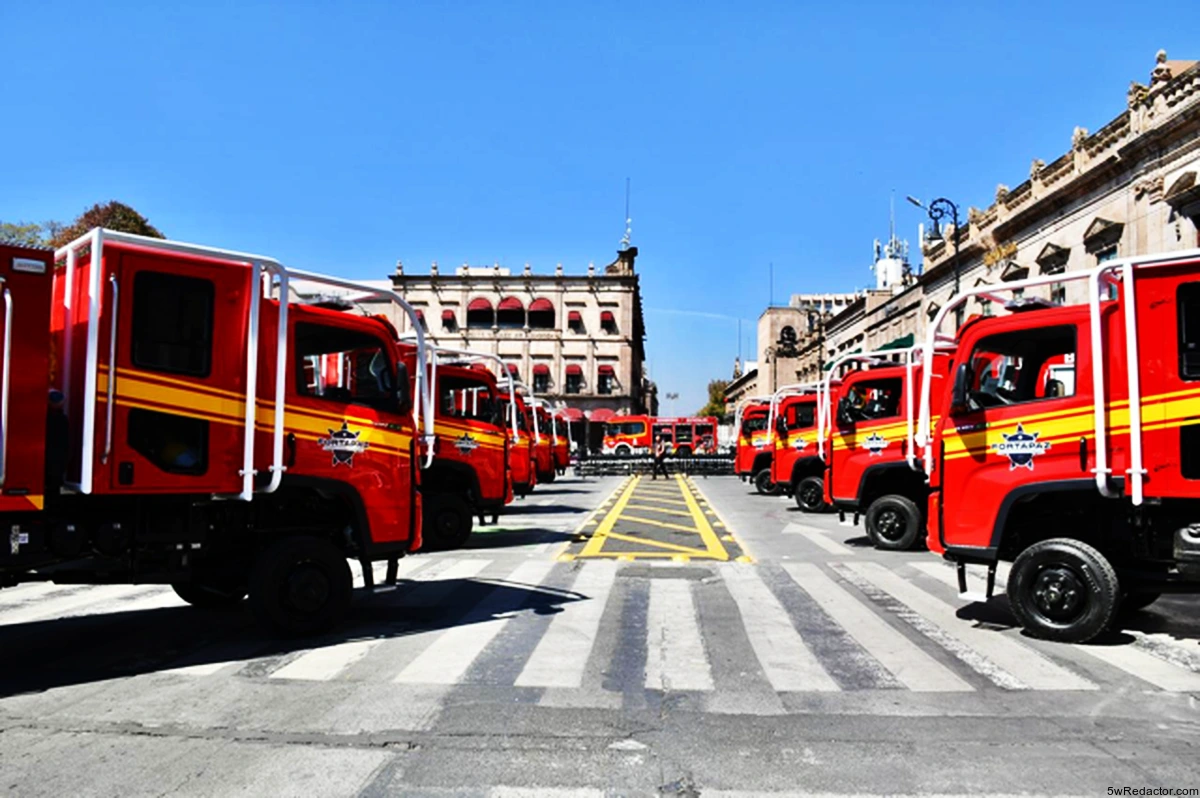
[[675, 656], [560, 658], [786, 660], [451, 654], [820, 537], [99, 599], [1020, 662], [904, 659]]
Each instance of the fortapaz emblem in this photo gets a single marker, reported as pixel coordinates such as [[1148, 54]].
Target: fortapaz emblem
[[466, 444], [799, 444], [1020, 448], [343, 445], [875, 444]]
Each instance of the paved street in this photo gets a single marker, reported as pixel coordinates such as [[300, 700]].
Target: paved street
[[696, 638]]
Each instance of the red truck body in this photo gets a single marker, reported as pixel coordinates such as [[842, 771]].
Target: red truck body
[[1067, 444], [751, 454], [796, 464], [521, 445], [630, 435]]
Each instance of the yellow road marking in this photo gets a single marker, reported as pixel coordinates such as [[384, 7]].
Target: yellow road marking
[[680, 513], [637, 519], [668, 501], [597, 542], [715, 549], [656, 544], [563, 556], [746, 555]]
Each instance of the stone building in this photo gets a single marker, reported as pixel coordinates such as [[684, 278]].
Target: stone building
[[575, 339], [1129, 188]]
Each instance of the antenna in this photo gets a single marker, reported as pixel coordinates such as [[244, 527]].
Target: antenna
[[628, 220]]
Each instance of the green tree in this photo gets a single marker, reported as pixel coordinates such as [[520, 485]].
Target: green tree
[[716, 401], [112, 215], [27, 234]]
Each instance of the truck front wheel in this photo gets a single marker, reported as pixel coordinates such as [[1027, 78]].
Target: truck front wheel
[[447, 522], [1063, 589], [763, 483], [300, 586], [810, 495], [894, 523]]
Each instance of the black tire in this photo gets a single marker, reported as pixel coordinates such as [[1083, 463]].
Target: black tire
[[1136, 600], [763, 483], [447, 522], [300, 586], [1063, 589], [210, 596], [894, 523], [623, 451], [810, 495]]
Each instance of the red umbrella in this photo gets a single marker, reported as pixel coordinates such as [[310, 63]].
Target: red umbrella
[[601, 414]]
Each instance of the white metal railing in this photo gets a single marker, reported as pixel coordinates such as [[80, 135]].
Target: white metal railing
[[469, 355], [794, 389], [259, 266], [1119, 271], [739, 410], [878, 357], [5, 384]]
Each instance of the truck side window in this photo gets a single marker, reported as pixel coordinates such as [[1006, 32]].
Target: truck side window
[[1188, 301], [346, 366], [461, 398], [175, 444], [801, 416], [756, 424], [1023, 366], [172, 323], [872, 400]]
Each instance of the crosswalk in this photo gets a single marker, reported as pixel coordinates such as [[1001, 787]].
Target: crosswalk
[[605, 628]]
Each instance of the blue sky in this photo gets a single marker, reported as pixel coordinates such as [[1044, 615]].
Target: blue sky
[[342, 137]]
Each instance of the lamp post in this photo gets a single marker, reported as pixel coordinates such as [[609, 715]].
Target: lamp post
[[938, 210], [671, 397]]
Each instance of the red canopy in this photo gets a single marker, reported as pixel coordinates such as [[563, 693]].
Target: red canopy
[[448, 315], [510, 303], [479, 304], [605, 369], [571, 414], [541, 304], [601, 414], [606, 317], [479, 367], [575, 369], [574, 316], [513, 369], [541, 368], [421, 316]]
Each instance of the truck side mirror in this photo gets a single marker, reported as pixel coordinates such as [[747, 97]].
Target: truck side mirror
[[781, 425], [958, 394], [845, 412], [403, 388]]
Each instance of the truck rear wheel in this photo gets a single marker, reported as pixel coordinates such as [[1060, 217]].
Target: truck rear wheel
[[623, 451], [763, 483], [893, 523], [1063, 589], [810, 495], [300, 586], [447, 522], [210, 596]]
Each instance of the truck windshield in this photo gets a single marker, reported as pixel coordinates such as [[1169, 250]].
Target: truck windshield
[[756, 424], [625, 428], [1023, 366]]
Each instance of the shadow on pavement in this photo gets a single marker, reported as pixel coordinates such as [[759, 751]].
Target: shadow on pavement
[[59, 652], [489, 538]]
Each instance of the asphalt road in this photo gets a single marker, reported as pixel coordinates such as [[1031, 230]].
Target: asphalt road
[[695, 639]]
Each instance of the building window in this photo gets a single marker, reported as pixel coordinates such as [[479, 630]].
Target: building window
[[449, 321], [172, 323], [421, 321], [541, 315], [575, 322], [480, 315], [958, 317], [1106, 254], [1058, 293], [606, 380], [985, 307], [574, 383], [510, 314], [541, 378], [1018, 293], [608, 322]]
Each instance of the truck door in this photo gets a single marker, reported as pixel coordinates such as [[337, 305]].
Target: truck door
[[870, 427], [179, 382], [1023, 415], [347, 421]]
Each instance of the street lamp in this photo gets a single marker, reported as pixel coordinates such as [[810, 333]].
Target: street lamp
[[671, 397], [938, 210]]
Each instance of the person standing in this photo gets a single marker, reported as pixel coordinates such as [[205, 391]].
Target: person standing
[[660, 459]]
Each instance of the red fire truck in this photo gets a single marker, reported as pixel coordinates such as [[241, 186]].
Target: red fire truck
[[874, 468], [520, 457], [792, 431], [629, 435], [192, 437], [752, 458], [1068, 444], [543, 440], [561, 433]]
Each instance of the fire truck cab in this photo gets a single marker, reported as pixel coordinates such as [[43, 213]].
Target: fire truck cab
[[874, 469], [1068, 444], [521, 444], [543, 440], [625, 436], [797, 467], [199, 431], [752, 458]]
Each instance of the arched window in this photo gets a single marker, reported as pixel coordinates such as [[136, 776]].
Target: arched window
[[541, 315], [480, 314], [510, 314]]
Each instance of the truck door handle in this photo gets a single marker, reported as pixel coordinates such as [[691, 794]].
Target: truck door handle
[[1083, 454]]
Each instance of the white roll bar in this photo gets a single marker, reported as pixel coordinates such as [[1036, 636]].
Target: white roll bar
[[5, 384], [741, 408], [1103, 274], [472, 355], [790, 390], [95, 239]]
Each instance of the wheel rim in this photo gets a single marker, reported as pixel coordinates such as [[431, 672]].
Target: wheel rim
[[1059, 594], [889, 524], [810, 495], [307, 588]]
